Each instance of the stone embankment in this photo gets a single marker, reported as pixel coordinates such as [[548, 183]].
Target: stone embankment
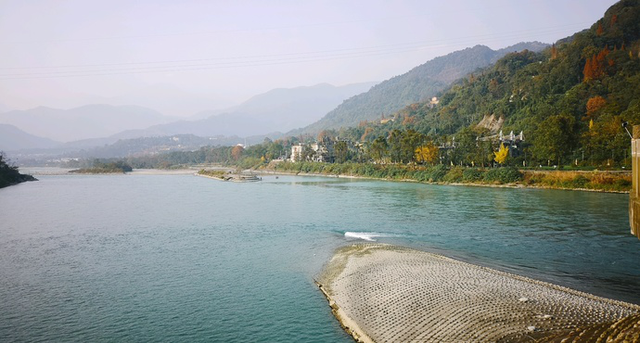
[[382, 293]]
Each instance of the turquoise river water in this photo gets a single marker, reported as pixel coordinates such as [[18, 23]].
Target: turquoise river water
[[185, 258]]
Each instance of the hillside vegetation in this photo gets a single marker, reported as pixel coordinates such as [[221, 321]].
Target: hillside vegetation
[[9, 175], [570, 100], [419, 84]]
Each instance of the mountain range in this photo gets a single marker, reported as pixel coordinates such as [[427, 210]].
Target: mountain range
[[96, 125], [278, 110], [319, 107], [83, 122], [12, 138]]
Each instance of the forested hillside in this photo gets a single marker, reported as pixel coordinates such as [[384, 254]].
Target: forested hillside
[[419, 84], [570, 100]]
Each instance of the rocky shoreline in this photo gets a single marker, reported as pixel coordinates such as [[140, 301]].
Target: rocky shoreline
[[18, 180]]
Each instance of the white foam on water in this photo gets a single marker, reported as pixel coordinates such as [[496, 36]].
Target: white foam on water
[[367, 236]]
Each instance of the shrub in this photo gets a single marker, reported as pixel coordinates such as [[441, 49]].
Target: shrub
[[454, 175], [471, 175], [249, 162], [580, 181], [503, 175], [622, 184], [436, 173]]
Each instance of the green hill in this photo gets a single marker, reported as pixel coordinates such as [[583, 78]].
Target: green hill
[[570, 99], [418, 84]]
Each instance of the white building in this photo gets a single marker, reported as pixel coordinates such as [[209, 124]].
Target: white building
[[296, 152], [320, 152]]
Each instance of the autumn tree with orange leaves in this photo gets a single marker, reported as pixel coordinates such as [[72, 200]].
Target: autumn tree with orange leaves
[[554, 52], [236, 152], [594, 105], [599, 30], [594, 67]]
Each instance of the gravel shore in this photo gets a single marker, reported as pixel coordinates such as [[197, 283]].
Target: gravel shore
[[383, 293]]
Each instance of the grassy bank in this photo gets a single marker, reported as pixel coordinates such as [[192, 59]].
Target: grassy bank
[[590, 180], [117, 167], [214, 173]]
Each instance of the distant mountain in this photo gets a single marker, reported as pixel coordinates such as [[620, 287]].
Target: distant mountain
[[12, 139], [170, 100], [147, 145], [128, 147], [418, 84], [280, 109], [82, 122], [102, 141]]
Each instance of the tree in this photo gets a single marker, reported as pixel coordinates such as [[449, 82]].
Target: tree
[[595, 66], [599, 30], [502, 154], [594, 105], [378, 149], [395, 145], [606, 142], [554, 138], [410, 141], [588, 71], [367, 131], [427, 153], [341, 151], [307, 153], [274, 150], [554, 52], [467, 148], [408, 120], [236, 152], [325, 136]]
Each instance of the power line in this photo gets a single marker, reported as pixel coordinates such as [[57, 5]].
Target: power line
[[249, 61], [511, 34], [483, 7]]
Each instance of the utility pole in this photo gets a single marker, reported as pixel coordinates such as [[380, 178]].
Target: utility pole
[[634, 200]]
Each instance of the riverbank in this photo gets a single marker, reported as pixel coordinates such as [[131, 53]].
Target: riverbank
[[12, 179], [9, 175], [386, 293], [67, 171], [594, 181]]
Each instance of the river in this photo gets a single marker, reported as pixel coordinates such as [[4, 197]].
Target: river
[[186, 258]]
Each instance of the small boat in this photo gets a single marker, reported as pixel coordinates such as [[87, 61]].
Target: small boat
[[249, 178]]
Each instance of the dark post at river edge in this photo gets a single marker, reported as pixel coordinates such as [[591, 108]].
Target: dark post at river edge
[[634, 201]]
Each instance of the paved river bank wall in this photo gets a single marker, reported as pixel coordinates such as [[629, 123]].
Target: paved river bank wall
[[383, 293]]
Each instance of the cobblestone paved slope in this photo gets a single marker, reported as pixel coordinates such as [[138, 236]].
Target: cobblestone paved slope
[[390, 294]]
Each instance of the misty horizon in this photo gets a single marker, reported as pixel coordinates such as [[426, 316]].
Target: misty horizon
[[180, 59]]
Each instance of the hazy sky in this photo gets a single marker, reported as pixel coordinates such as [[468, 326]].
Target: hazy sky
[[182, 56]]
